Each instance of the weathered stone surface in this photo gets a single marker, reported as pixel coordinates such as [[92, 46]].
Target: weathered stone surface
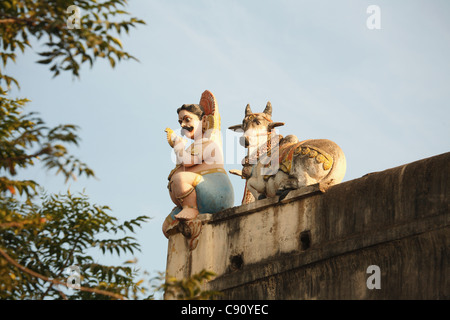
[[315, 245]]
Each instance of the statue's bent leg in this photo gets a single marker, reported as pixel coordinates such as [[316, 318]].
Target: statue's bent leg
[[190, 209], [183, 190], [208, 191]]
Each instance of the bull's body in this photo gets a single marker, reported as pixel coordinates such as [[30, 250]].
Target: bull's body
[[299, 164], [275, 166]]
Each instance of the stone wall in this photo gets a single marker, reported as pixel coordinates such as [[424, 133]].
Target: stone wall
[[318, 245]]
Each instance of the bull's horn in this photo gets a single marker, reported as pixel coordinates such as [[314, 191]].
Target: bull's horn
[[275, 124], [268, 109], [236, 127], [248, 111]]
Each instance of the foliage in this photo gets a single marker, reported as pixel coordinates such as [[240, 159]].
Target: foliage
[[189, 288], [24, 139], [59, 233], [40, 239], [64, 49]]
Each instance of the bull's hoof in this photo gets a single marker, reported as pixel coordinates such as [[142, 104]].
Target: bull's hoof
[[324, 186], [283, 193], [262, 196]]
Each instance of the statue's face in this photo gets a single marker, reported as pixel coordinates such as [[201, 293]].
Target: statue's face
[[190, 124]]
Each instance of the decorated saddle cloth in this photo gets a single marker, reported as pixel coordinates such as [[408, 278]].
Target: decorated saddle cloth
[[286, 153]]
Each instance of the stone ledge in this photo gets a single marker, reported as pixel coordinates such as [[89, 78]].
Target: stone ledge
[[259, 205]]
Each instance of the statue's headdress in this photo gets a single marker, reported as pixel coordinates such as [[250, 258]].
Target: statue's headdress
[[211, 119]]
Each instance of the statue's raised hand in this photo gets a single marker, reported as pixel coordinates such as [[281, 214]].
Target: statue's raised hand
[[172, 137]]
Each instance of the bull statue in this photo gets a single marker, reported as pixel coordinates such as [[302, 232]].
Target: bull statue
[[275, 165]]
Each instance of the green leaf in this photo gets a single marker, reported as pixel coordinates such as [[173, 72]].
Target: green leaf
[[112, 62], [45, 61]]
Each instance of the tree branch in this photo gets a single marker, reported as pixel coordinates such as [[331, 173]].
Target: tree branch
[[17, 20], [65, 263], [39, 276], [11, 160], [10, 20]]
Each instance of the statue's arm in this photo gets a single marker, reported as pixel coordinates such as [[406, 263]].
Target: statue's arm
[[186, 157], [212, 153]]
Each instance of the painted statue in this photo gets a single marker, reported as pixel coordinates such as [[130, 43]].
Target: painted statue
[[199, 183], [275, 165]]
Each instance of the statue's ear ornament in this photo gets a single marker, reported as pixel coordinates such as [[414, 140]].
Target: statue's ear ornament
[[211, 121]]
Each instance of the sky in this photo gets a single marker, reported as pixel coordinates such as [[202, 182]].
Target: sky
[[383, 95]]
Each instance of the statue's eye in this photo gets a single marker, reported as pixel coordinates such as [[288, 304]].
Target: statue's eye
[[187, 119], [179, 121]]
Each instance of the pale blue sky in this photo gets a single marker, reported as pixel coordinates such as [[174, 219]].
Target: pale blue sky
[[382, 95]]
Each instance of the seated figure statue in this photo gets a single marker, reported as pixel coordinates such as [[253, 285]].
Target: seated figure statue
[[198, 183]]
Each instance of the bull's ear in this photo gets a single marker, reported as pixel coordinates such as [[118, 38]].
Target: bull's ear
[[237, 127], [275, 124], [236, 172]]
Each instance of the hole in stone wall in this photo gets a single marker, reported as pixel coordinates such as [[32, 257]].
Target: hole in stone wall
[[305, 239], [236, 262]]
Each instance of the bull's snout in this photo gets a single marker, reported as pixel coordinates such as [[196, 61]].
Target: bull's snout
[[243, 140]]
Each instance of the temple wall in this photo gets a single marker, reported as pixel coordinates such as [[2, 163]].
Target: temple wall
[[318, 245]]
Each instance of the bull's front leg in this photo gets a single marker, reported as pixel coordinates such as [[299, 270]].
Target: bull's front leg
[[282, 181], [283, 184], [256, 188]]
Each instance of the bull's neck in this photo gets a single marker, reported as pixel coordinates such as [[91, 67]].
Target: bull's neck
[[261, 144]]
